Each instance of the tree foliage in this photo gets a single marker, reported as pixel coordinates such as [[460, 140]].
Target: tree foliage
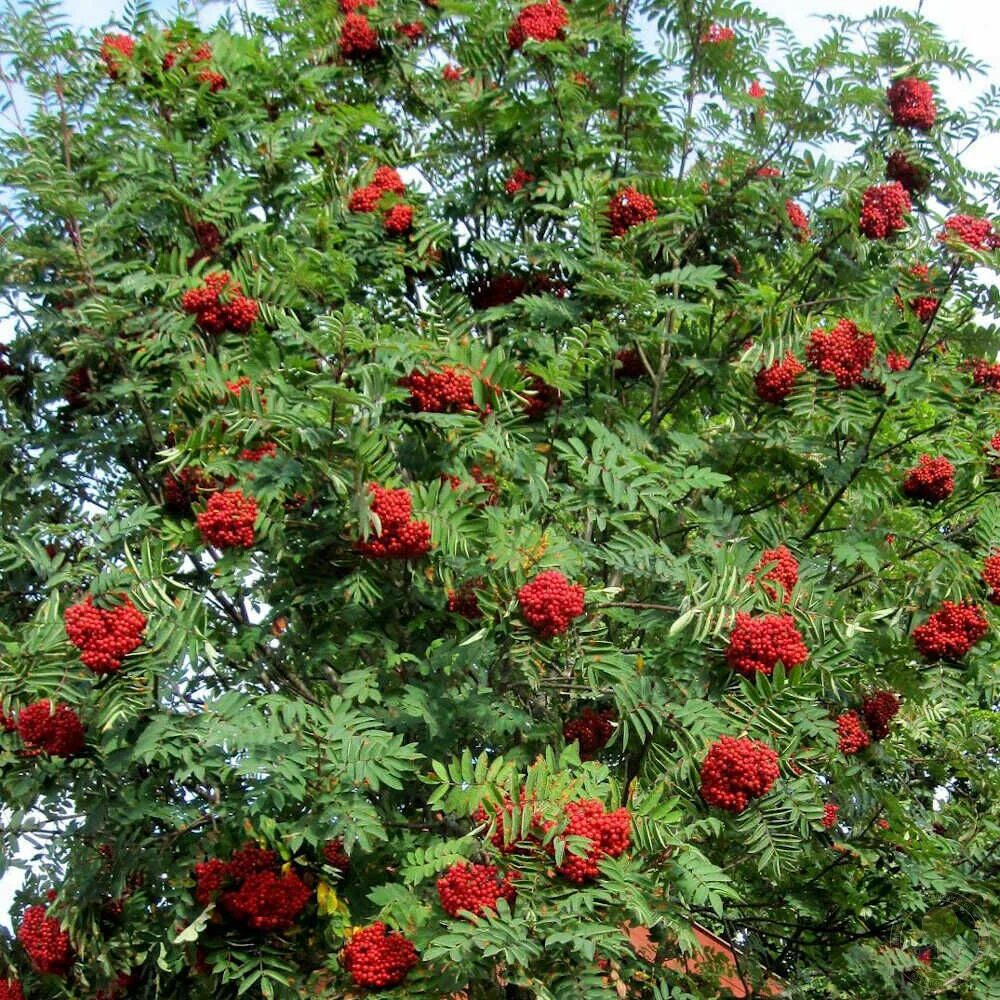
[[548, 329]]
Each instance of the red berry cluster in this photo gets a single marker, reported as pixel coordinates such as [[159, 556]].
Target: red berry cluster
[[629, 208], [991, 576], [737, 770], [897, 362], [853, 736], [768, 173], [220, 305], [993, 449], [913, 176], [608, 833], [251, 889], [501, 815], [413, 31], [489, 291], [798, 219], [628, 364], [969, 231], [78, 387], [879, 709], [446, 391], [335, 855], [716, 34], [267, 450], [843, 352], [830, 810], [377, 958], [549, 603], [541, 22], [399, 536], [227, 520], [925, 307], [911, 103], [465, 602], [756, 645], [116, 50], [776, 381], [518, 180], [783, 569], [451, 74], [756, 90], [208, 238], [882, 209], [11, 989], [475, 888], [350, 6], [591, 729], [183, 56], [932, 480], [986, 376], [397, 219], [45, 942], [358, 39], [951, 631], [540, 397], [104, 636], [53, 730]]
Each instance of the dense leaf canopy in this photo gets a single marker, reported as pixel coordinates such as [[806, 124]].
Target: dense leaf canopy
[[485, 486]]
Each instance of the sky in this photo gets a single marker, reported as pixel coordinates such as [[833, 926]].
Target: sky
[[974, 24]]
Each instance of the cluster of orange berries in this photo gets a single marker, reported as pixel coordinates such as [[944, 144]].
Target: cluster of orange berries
[[843, 352], [627, 209], [251, 889], [883, 207], [378, 958], [52, 729], [911, 103], [758, 644], [777, 380], [549, 603], [398, 536], [474, 888], [782, 567], [105, 636], [933, 479], [736, 771], [540, 22], [446, 391], [228, 519], [45, 942], [219, 305], [951, 631]]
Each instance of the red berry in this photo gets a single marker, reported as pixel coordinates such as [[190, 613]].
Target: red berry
[[541, 22], [377, 958], [591, 729], [56, 731], [335, 855], [627, 209], [991, 576], [782, 567], [913, 176], [608, 834], [798, 219], [387, 179], [830, 810], [412, 30], [911, 103], [398, 221], [993, 449], [774, 383], [446, 391], [843, 352], [518, 180], [716, 34], [219, 305], [365, 199], [896, 362], [882, 209], [932, 480], [737, 770], [853, 736], [475, 888], [951, 631], [398, 536], [105, 636], [756, 90], [879, 709], [452, 74], [628, 364], [267, 901], [116, 50], [45, 942], [757, 645], [549, 603], [267, 450], [227, 521], [358, 39], [971, 232], [465, 602]]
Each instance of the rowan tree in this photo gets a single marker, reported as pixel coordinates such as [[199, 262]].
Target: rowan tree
[[482, 482]]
